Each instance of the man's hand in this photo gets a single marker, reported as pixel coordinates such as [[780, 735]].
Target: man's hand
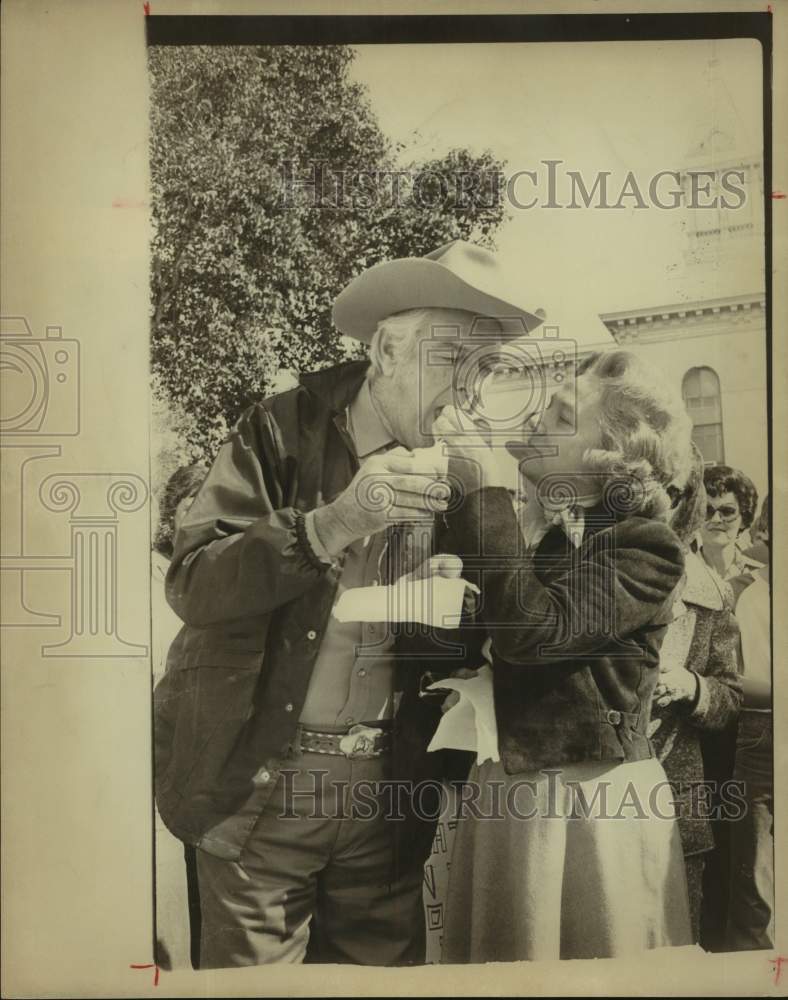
[[393, 487], [675, 684]]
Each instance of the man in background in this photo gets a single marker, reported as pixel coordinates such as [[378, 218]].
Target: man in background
[[751, 904], [177, 897]]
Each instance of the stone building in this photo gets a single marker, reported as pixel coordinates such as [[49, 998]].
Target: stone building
[[709, 336], [715, 351]]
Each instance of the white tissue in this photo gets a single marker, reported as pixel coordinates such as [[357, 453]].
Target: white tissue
[[470, 724], [436, 601]]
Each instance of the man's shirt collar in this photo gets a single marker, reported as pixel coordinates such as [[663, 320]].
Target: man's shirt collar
[[364, 425]]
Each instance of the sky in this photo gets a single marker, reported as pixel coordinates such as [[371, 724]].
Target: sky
[[603, 106]]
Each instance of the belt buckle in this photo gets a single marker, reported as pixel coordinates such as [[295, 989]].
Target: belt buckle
[[358, 741]]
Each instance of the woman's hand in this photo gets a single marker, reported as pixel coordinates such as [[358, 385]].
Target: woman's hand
[[676, 684], [439, 565], [453, 697], [476, 463]]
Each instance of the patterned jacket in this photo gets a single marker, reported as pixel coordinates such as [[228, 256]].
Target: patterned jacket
[[703, 638]]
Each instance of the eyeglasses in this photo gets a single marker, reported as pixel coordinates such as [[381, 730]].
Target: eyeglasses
[[726, 512]]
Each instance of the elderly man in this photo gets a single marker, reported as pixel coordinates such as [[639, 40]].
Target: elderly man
[[272, 712]]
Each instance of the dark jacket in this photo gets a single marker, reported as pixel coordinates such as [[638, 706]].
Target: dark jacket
[[255, 601], [703, 638], [575, 632]]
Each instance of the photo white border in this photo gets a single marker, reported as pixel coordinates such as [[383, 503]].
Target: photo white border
[[76, 750]]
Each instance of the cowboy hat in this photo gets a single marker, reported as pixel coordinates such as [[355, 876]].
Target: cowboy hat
[[458, 275]]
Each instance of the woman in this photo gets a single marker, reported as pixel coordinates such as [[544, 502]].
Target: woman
[[732, 501], [585, 858], [698, 688]]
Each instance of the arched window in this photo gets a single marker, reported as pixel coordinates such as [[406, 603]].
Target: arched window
[[701, 392]]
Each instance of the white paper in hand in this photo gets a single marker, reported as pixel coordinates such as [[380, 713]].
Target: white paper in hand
[[436, 601], [470, 724]]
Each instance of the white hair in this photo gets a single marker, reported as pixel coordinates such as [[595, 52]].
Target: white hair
[[399, 334]]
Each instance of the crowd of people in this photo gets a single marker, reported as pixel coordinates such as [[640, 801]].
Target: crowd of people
[[623, 621]]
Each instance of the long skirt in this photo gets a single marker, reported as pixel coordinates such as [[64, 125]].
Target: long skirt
[[584, 861]]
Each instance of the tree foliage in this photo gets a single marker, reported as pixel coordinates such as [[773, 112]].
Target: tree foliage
[[247, 254]]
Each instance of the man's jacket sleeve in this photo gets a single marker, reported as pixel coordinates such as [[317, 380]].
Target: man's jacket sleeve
[[241, 551], [620, 581]]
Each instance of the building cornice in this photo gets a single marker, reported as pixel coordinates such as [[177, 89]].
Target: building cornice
[[699, 318], [665, 320]]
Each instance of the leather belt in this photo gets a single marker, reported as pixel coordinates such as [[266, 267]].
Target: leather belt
[[360, 742]]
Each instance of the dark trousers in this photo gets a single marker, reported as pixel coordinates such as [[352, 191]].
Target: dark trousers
[[719, 751], [317, 886], [751, 902], [695, 865]]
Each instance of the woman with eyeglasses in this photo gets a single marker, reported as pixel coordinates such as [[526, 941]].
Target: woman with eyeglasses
[[730, 509], [732, 499]]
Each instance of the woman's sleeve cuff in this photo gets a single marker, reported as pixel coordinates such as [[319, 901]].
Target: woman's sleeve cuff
[[702, 700]]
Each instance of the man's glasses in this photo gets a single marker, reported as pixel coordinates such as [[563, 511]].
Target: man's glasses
[[726, 512]]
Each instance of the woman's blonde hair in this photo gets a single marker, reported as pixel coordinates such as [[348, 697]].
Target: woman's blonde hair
[[646, 431], [688, 512]]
